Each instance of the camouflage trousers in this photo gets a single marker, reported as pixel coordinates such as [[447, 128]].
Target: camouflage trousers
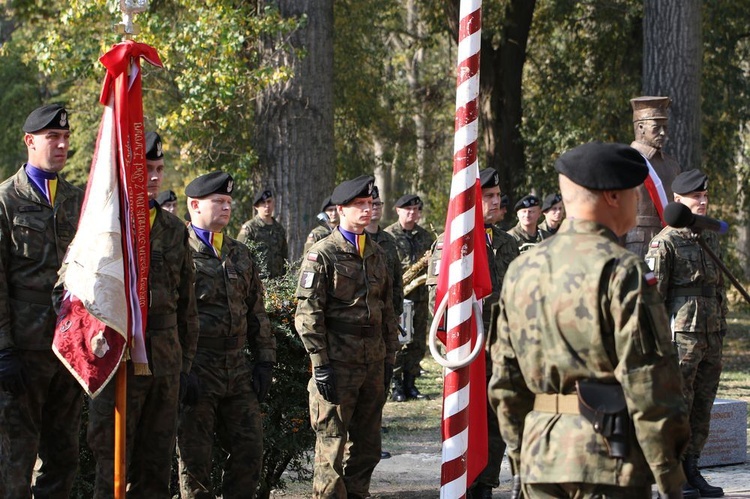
[[151, 422], [347, 435], [583, 491], [412, 353], [700, 363], [229, 407], [43, 421]]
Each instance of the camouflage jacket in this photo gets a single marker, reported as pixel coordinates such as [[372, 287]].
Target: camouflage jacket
[[315, 235], [386, 241], [582, 307], [690, 282], [345, 303], [229, 294], [33, 239], [412, 245], [523, 240], [272, 246]]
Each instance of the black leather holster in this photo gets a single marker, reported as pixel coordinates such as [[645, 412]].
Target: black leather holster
[[604, 406]]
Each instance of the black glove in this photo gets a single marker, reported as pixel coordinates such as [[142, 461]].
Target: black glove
[[12, 375], [387, 376], [515, 492], [190, 388], [326, 383], [262, 378]]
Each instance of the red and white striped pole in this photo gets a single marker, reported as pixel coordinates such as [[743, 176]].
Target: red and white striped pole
[[453, 480]]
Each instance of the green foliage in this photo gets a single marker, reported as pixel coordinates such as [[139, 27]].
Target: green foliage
[[18, 96]]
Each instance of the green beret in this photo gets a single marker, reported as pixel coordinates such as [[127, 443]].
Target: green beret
[[326, 204], [262, 196], [550, 201], [527, 202], [166, 197], [347, 191], [153, 146], [53, 116], [603, 166], [489, 178], [210, 183], [409, 200], [690, 181]]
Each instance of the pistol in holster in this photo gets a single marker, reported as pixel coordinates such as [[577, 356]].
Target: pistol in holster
[[604, 406]]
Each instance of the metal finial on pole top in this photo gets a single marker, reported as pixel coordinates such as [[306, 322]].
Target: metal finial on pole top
[[129, 9]]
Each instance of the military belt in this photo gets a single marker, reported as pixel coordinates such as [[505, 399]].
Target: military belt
[[164, 321], [364, 331], [707, 292], [30, 296], [556, 403], [221, 342]]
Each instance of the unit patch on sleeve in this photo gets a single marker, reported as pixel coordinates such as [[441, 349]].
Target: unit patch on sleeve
[[306, 280]]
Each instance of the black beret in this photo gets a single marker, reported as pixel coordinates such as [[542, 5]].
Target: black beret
[[504, 201], [375, 192], [166, 197], [408, 200], [326, 204], [550, 201], [690, 181], [153, 146], [527, 202], [210, 183], [262, 196], [603, 166], [360, 187], [489, 178], [49, 116]]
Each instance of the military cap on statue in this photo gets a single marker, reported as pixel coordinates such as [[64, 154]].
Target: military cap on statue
[[210, 183], [690, 181], [153, 146], [347, 191], [650, 108], [166, 197], [408, 200], [504, 201], [527, 202], [262, 195], [489, 178], [550, 200], [603, 166], [50, 116]]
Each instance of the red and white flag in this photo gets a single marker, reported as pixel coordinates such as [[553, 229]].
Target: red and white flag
[[656, 191], [104, 308]]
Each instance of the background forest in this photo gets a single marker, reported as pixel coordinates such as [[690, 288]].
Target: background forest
[[298, 94]]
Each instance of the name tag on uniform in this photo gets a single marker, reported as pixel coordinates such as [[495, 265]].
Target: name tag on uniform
[[231, 273], [306, 280]]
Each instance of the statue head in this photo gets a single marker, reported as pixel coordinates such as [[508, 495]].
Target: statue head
[[650, 120]]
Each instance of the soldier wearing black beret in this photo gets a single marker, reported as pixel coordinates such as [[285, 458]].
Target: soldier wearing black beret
[[554, 213], [527, 232], [270, 246], [346, 321], [692, 286], [580, 314], [223, 402], [168, 201], [40, 402], [172, 327], [327, 220]]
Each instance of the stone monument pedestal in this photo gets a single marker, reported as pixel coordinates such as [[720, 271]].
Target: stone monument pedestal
[[727, 438]]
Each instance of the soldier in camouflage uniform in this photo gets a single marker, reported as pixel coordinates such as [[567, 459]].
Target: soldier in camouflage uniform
[[501, 250], [650, 122], [526, 232], [224, 391], [40, 402], [171, 336], [554, 213], [346, 321], [328, 219], [692, 286], [269, 235], [579, 312], [413, 243]]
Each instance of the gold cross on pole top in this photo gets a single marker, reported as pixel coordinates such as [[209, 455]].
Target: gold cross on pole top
[[129, 9]]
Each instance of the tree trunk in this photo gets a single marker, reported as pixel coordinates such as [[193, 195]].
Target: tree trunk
[[295, 123], [672, 55]]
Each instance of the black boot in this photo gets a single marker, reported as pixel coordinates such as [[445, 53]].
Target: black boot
[[688, 492], [696, 480], [397, 393], [410, 390]]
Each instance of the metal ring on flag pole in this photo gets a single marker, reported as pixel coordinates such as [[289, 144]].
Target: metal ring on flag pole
[[478, 346]]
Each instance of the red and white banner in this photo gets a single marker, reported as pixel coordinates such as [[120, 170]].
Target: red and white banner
[[464, 277], [656, 191], [104, 309]]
